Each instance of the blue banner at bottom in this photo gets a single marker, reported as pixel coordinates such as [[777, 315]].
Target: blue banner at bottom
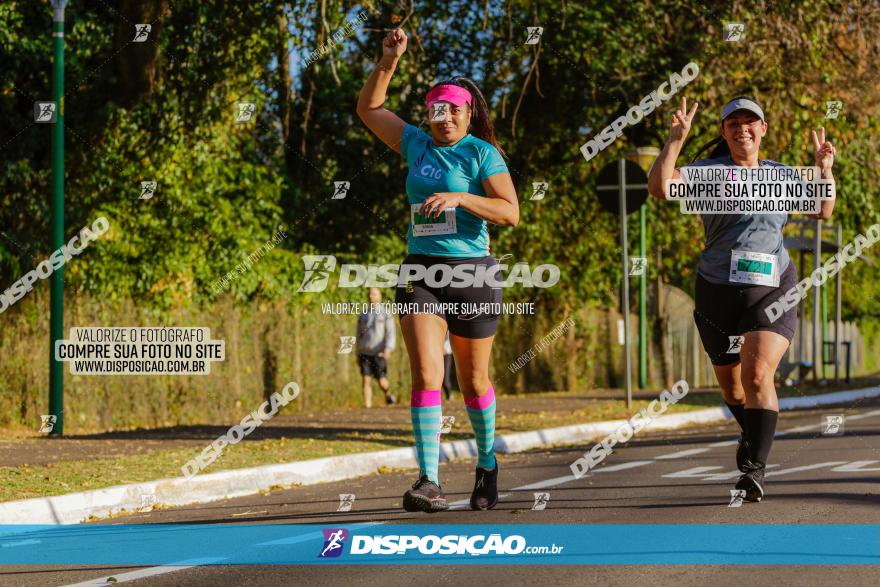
[[287, 544]]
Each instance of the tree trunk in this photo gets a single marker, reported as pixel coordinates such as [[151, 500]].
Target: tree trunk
[[136, 62], [285, 96]]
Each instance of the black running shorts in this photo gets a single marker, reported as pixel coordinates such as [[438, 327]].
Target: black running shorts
[[478, 306], [373, 366], [726, 310]]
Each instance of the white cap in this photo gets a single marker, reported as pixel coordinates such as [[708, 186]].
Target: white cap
[[742, 104]]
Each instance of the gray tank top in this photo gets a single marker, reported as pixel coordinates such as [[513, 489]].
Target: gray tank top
[[756, 233]]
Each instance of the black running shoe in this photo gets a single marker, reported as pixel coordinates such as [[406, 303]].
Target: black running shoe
[[752, 481], [485, 495], [425, 496], [742, 454], [390, 399]]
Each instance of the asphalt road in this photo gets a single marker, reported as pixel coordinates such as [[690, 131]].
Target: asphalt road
[[658, 478]]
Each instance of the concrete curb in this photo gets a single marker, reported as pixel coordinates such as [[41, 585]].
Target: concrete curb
[[74, 508]]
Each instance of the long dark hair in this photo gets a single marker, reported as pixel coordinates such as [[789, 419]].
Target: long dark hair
[[720, 145], [720, 149], [481, 124]]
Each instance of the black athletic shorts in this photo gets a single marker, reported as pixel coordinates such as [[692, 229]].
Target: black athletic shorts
[[479, 306], [373, 366], [726, 310]]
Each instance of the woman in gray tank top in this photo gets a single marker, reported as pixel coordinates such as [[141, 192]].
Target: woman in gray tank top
[[743, 269]]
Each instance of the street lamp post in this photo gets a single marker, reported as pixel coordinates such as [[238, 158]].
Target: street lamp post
[[56, 303], [645, 157]]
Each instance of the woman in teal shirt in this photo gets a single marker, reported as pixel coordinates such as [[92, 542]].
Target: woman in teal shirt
[[457, 182]]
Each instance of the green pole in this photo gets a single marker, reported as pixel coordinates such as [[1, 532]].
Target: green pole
[[56, 296], [824, 326], [645, 157], [643, 311]]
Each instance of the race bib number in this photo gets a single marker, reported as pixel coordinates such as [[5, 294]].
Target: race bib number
[[754, 268], [423, 226]]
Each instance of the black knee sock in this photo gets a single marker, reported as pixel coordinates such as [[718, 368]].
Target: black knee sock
[[737, 411], [760, 426]]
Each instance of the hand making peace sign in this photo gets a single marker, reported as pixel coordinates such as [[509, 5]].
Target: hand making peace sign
[[824, 150]]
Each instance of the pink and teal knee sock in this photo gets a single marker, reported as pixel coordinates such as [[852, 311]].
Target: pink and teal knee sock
[[426, 415], [481, 411]]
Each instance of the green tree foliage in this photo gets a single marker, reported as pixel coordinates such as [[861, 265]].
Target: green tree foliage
[[164, 110]]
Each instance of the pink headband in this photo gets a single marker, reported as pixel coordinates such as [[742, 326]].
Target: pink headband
[[456, 95]]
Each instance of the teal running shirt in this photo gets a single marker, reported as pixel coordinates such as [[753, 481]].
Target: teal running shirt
[[461, 167]]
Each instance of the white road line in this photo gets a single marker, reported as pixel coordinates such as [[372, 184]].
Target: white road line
[[725, 443], [683, 453], [547, 483], [20, 543], [798, 429], [622, 466], [466, 503], [697, 472], [804, 468], [143, 573], [295, 539], [865, 415], [730, 475], [311, 536], [856, 467]]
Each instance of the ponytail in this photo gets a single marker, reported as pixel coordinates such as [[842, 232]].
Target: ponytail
[[720, 149], [481, 124]]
